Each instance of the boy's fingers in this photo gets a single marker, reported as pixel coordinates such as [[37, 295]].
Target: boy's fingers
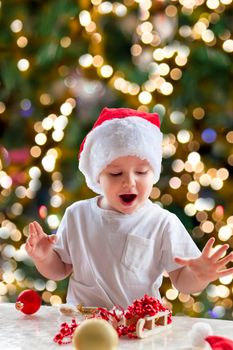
[[207, 248], [38, 228], [35, 232], [219, 252], [32, 234], [225, 272], [52, 238], [226, 260], [30, 239], [31, 228], [181, 261], [28, 247]]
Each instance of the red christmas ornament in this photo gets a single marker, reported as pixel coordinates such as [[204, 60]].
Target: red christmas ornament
[[28, 302]]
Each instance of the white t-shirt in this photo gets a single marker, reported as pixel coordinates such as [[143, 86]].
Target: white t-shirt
[[119, 257]]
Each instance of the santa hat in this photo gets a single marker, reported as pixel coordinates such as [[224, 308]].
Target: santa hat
[[202, 332], [120, 132]]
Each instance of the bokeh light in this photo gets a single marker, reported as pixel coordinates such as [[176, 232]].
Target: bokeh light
[[171, 58]]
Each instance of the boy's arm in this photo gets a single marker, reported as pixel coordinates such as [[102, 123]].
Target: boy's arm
[[52, 267], [197, 273], [39, 247]]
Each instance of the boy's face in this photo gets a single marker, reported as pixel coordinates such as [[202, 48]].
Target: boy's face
[[127, 183]]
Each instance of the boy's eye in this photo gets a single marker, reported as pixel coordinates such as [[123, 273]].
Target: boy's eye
[[115, 174], [142, 172]]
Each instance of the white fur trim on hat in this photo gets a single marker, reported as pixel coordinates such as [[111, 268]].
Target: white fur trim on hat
[[131, 136], [198, 333]]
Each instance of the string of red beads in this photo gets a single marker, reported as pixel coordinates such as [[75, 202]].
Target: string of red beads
[[146, 306], [66, 332]]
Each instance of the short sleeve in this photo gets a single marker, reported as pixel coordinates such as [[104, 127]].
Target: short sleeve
[[176, 242], [62, 246]]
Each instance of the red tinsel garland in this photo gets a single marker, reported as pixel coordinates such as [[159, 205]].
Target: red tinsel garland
[[146, 306]]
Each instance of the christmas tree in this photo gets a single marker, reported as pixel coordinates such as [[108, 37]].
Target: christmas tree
[[61, 63]]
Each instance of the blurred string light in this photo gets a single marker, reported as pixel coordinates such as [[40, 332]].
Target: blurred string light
[[148, 35], [209, 135], [23, 64], [16, 26], [54, 124]]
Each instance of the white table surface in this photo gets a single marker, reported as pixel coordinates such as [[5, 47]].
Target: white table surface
[[21, 332]]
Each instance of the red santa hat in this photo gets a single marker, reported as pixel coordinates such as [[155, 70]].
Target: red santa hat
[[202, 332], [120, 132]]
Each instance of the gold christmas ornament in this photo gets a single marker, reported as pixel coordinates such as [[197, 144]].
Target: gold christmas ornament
[[95, 334]]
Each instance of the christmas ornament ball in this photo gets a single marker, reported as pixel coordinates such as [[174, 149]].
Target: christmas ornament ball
[[28, 302], [95, 334]]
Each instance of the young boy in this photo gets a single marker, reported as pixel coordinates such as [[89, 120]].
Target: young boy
[[116, 246]]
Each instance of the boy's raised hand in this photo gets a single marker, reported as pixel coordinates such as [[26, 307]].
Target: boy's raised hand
[[39, 244], [209, 267]]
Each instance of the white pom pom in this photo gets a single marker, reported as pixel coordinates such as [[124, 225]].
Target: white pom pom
[[198, 333]]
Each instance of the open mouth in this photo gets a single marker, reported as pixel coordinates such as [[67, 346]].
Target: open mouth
[[128, 198]]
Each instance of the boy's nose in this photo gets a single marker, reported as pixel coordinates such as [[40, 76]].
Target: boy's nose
[[129, 180]]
